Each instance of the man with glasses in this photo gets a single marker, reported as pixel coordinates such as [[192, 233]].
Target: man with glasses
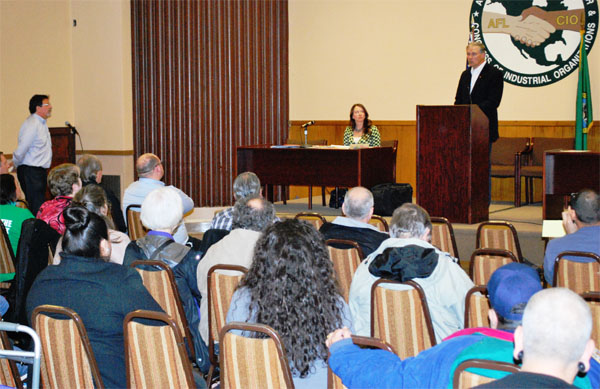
[[150, 171], [34, 151]]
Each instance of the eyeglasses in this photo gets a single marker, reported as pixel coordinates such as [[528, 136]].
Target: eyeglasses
[[45, 105]]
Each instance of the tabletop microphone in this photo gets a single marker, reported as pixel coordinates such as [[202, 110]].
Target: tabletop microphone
[[73, 129], [308, 124]]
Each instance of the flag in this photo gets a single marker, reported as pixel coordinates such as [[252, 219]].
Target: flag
[[583, 115]]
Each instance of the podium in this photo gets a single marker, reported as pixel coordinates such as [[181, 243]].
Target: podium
[[453, 162]]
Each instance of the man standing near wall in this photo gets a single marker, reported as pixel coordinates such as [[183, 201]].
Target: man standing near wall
[[34, 152]]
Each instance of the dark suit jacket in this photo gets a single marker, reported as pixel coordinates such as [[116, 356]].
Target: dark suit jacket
[[368, 239], [487, 94]]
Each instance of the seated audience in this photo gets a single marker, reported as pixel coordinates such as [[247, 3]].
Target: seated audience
[[5, 168], [12, 216], [509, 288], [162, 212], [409, 255], [553, 343], [64, 183], [246, 184], [150, 171], [90, 168], [582, 225], [291, 286], [93, 198], [101, 293], [358, 208], [251, 215]]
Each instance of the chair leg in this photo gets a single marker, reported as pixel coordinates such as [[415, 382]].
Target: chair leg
[[310, 197], [323, 195], [337, 205], [284, 193], [209, 377], [517, 191]]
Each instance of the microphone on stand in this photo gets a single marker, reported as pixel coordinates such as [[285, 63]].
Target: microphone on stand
[[308, 124], [75, 132], [305, 126]]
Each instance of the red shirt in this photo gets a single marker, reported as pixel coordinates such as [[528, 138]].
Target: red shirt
[[52, 212]]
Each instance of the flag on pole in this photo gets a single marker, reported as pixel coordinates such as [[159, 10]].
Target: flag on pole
[[583, 116]]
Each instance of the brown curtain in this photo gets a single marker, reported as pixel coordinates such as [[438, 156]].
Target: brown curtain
[[208, 76]]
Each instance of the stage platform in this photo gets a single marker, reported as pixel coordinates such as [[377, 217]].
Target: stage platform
[[526, 219]]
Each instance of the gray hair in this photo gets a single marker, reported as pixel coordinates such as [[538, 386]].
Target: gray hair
[[557, 324], [586, 205], [253, 213], [479, 45], [245, 185], [146, 163], [409, 221], [162, 209], [358, 202], [89, 166]]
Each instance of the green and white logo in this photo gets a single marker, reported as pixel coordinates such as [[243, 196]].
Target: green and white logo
[[534, 42]]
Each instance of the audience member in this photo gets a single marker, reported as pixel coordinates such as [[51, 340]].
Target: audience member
[[64, 183], [101, 293], [581, 221], [358, 208], [409, 255], [161, 213], [251, 215], [509, 288], [93, 198], [150, 172], [246, 184], [5, 167], [553, 343], [291, 287], [34, 151], [11, 215], [90, 168]]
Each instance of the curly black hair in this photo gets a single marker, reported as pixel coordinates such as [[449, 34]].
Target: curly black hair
[[293, 288]]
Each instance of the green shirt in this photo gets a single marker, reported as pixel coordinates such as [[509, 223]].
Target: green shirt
[[12, 218]]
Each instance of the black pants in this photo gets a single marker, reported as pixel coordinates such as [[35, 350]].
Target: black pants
[[33, 182]]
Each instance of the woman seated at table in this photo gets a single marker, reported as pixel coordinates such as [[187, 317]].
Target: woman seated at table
[[291, 286], [361, 130], [93, 198], [102, 293]]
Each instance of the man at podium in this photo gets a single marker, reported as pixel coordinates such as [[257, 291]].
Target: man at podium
[[481, 84]]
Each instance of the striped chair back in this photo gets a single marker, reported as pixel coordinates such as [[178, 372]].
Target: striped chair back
[[135, 227], [335, 382], [380, 223], [313, 218], [155, 356], [593, 300], [580, 277], [67, 357], [345, 262], [7, 256], [477, 306], [162, 287], [485, 261], [9, 375], [464, 379], [269, 367], [498, 235], [222, 281], [401, 317], [442, 236]]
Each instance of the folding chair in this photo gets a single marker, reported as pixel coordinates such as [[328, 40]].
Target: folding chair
[[485, 261], [477, 306], [134, 223], [499, 235], [442, 236], [464, 379], [380, 223], [580, 277], [269, 367], [222, 281], [7, 257], [401, 317], [313, 218], [67, 357], [593, 300], [345, 261], [155, 356]]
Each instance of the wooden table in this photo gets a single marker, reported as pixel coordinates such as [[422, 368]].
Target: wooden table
[[317, 166]]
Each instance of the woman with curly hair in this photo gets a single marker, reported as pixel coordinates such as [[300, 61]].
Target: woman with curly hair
[[291, 286]]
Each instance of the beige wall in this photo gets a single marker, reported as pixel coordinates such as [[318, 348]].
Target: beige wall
[[392, 55], [86, 69]]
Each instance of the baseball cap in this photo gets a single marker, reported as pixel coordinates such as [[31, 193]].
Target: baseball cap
[[510, 285]]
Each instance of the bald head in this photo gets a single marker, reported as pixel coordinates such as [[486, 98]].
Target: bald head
[[358, 204], [586, 205], [557, 325], [147, 166]]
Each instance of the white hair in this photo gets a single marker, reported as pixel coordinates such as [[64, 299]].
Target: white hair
[[358, 203], [557, 323], [162, 209]]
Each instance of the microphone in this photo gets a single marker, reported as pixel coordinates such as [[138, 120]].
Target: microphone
[[308, 124], [73, 129]]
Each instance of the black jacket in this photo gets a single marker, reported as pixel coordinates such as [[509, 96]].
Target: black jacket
[[368, 239]]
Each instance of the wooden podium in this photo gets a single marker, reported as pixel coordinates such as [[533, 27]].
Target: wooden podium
[[453, 162], [63, 145]]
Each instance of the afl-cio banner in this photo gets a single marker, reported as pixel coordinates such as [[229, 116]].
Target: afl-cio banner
[[534, 45]]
